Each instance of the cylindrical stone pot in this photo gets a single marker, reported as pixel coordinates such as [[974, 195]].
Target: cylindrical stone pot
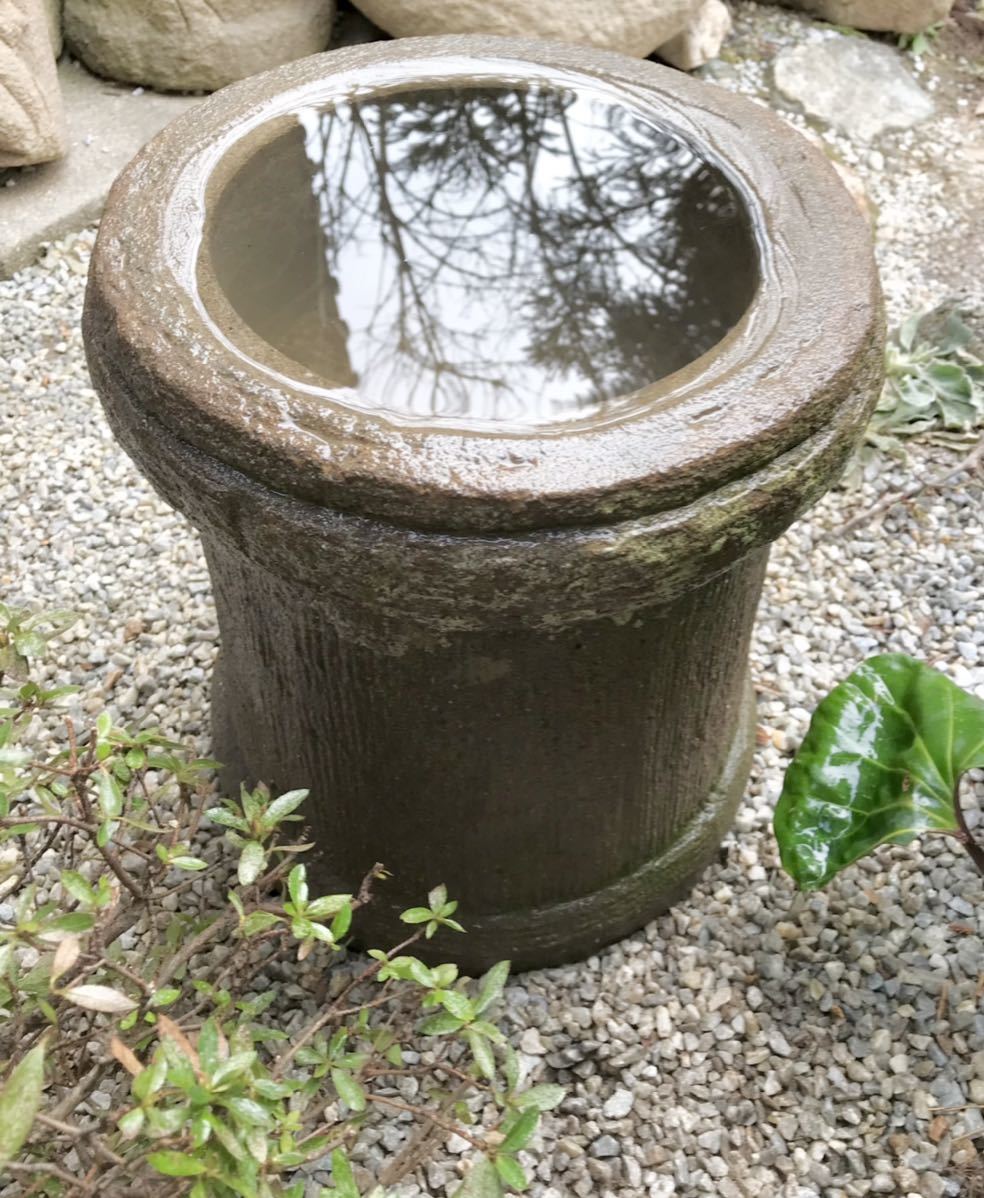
[[508, 658]]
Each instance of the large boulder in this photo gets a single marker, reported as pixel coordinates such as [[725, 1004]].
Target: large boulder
[[899, 16], [857, 86], [32, 122], [193, 45], [634, 27]]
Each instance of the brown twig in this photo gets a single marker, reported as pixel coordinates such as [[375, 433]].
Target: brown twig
[[325, 1017], [969, 463], [965, 836], [431, 1116]]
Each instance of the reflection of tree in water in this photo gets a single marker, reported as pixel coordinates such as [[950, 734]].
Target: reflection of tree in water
[[508, 253]]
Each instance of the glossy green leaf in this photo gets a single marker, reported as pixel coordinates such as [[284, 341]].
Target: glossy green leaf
[[20, 1099], [880, 764]]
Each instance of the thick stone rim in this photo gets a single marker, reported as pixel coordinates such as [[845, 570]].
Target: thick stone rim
[[800, 363]]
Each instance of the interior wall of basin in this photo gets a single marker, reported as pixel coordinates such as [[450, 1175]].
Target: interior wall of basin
[[475, 255]]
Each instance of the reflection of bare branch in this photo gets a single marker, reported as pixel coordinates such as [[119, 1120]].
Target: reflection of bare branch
[[527, 248]]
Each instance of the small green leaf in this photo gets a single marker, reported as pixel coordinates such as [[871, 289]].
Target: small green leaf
[[164, 998], [251, 862], [438, 897], [150, 1080], [74, 884], [341, 923], [511, 1172], [880, 764], [281, 807], [482, 1052], [543, 1098], [458, 1004], [519, 1134], [342, 1175], [110, 796], [491, 986], [258, 921], [175, 1164], [131, 1123], [417, 915], [20, 1100], [191, 864], [482, 1181], [29, 644], [297, 886], [328, 904], [441, 1024], [248, 1111], [349, 1090], [73, 923], [226, 819]]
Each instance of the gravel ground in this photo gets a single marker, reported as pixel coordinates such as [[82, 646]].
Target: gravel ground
[[751, 1042]]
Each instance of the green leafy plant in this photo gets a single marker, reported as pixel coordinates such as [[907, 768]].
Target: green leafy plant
[[138, 965], [933, 380], [919, 43], [881, 764]]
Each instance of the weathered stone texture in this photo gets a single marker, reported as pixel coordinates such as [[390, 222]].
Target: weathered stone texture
[[193, 45], [634, 27], [900, 16], [32, 122]]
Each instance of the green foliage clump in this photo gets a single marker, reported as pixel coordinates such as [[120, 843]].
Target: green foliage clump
[[933, 380], [122, 975]]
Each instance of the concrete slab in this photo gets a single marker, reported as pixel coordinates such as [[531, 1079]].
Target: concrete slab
[[107, 124]]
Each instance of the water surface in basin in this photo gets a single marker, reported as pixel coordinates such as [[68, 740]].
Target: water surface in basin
[[526, 255]]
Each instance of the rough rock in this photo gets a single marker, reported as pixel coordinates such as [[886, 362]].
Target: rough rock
[[631, 26], [193, 45], [107, 124], [853, 84], [53, 11], [702, 38], [901, 16], [32, 120]]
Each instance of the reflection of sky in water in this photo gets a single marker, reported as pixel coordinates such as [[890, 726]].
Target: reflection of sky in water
[[494, 254]]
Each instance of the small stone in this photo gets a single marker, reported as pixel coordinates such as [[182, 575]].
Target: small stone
[[618, 1105], [531, 1044], [605, 1146]]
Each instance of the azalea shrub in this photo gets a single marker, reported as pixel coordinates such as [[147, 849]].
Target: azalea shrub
[[149, 1041]]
